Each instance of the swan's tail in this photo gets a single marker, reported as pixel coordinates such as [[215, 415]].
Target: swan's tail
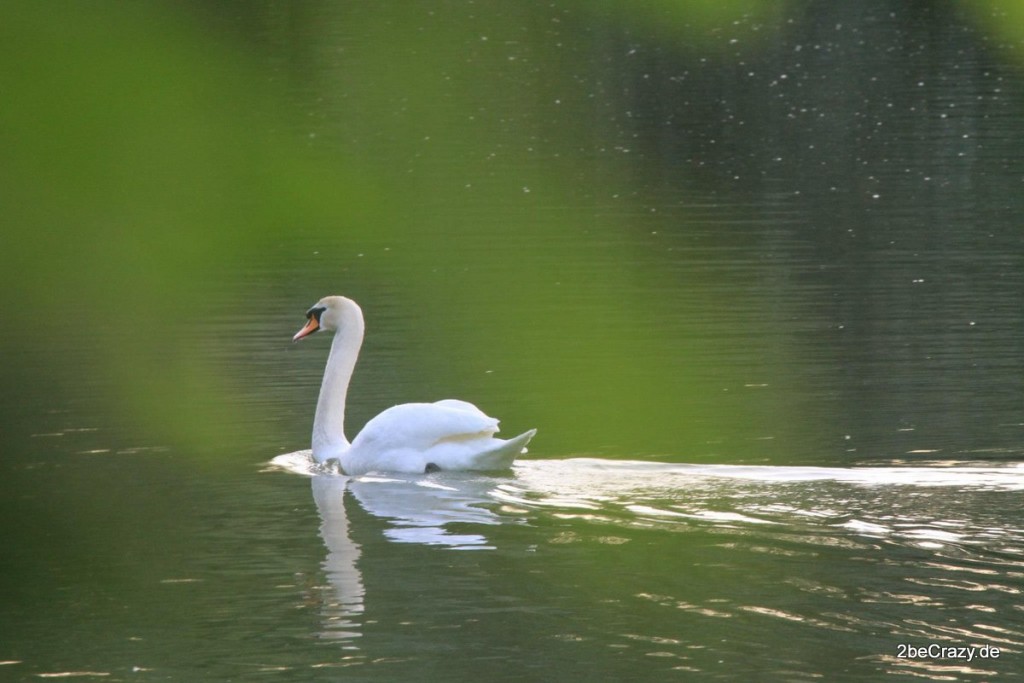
[[501, 456]]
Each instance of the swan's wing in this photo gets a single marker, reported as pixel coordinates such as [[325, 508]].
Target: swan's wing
[[497, 454], [465, 406], [420, 426]]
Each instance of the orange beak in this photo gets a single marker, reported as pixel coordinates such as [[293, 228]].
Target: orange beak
[[311, 326]]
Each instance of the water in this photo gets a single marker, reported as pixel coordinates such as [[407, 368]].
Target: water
[[842, 556], [588, 567], [755, 279]]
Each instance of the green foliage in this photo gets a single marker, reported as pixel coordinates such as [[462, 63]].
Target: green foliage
[[145, 164], [137, 166], [1004, 21]]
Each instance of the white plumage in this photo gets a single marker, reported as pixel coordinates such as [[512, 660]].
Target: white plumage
[[411, 437]]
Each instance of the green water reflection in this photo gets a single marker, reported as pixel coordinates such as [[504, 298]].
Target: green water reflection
[[632, 283], [729, 232]]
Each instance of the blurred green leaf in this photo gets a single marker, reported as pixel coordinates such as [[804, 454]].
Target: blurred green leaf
[[146, 161]]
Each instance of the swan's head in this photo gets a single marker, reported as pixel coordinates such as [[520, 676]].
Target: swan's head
[[331, 314]]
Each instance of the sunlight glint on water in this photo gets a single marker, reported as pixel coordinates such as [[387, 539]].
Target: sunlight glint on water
[[862, 519]]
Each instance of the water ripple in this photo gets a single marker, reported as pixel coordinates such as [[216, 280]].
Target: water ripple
[[881, 556]]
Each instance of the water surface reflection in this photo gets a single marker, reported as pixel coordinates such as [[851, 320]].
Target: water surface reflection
[[341, 615], [916, 554]]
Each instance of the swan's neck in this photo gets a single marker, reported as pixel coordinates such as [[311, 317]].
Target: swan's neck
[[329, 424]]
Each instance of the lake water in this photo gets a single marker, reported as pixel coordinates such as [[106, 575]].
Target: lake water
[[757, 280]]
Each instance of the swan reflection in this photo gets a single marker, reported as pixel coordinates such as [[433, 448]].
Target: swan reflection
[[342, 614], [417, 509], [816, 506]]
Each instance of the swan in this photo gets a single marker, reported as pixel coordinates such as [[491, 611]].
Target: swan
[[411, 437]]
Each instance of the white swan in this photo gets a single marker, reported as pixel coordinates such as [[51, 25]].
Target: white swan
[[412, 437]]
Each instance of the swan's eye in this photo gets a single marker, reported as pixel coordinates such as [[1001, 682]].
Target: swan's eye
[[315, 312]]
